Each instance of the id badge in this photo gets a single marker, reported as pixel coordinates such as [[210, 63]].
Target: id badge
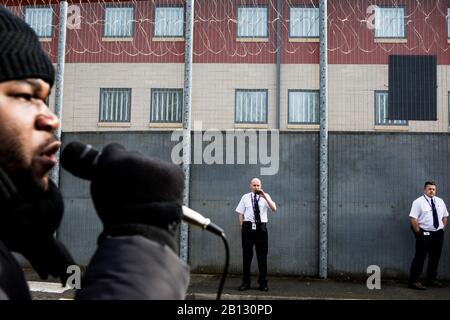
[[426, 233], [253, 226]]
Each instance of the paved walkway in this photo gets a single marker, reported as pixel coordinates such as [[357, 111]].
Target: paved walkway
[[204, 287], [294, 288]]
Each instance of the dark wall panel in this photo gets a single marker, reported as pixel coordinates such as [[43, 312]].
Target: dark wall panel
[[373, 179], [293, 229]]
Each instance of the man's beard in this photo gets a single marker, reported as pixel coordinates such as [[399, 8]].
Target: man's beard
[[11, 158], [13, 163]]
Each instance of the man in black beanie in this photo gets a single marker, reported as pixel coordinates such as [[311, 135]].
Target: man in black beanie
[[136, 255]]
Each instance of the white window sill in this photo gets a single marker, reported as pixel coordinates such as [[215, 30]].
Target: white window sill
[[251, 126], [165, 125], [114, 39], [311, 127], [167, 39], [391, 128], [304, 40], [391, 40], [114, 124], [265, 39], [45, 39]]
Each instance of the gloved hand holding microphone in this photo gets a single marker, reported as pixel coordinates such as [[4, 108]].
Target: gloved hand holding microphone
[[133, 194]]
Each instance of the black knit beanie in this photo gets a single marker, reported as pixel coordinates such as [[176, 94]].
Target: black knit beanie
[[21, 54]]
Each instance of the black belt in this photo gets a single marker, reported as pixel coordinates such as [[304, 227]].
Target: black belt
[[249, 222]]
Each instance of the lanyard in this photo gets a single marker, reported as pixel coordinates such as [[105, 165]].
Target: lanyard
[[429, 202]]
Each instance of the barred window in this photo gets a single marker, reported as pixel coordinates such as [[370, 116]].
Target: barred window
[[115, 104], [169, 22], [448, 22], [40, 19], [303, 107], [251, 106], [118, 22], [381, 110], [252, 22], [166, 105], [390, 22], [304, 22]]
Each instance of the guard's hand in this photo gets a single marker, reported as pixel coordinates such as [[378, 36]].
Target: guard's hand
[[137, 194]]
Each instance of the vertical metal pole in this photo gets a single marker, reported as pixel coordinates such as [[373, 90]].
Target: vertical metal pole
[[189, 34], [278, 68], [62, 28], [323, 156]]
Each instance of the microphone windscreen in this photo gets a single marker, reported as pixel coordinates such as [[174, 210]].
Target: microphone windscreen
[[79, 159]]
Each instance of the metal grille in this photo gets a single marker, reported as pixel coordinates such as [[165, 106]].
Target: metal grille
[[251, 106], [119, 22], [303, 106], [381, 110], [169, 21], [166, 105], [252, 22], [115, 105], [448, 22], [304, 22], [389, 22], [40, 19]]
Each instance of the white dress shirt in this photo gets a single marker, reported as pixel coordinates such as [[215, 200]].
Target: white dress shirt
[[421, 210], [245, 207]]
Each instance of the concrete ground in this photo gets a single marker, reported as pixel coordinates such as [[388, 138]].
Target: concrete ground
[[204, 287], [294, 288]]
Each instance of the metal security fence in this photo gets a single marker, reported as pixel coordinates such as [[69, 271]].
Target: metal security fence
[[358, 92]]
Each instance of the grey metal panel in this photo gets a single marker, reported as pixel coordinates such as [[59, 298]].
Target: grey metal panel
[[373, 180], [80, 228], [293, 229]]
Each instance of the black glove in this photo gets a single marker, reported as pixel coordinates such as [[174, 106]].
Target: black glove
[[29, 217], [137, 194]]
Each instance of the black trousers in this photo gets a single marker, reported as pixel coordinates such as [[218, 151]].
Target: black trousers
[[430, 245], [259, 239]]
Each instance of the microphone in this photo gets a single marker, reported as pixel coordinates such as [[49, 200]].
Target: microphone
[[81, 160]]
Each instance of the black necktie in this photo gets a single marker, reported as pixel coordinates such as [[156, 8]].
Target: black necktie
[[435, 216], [256, 209]]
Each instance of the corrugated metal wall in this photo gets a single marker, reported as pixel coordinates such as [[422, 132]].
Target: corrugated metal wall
[[373, 179], [293, 229]]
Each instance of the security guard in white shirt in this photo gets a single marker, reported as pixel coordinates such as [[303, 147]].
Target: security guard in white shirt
[[428, 218], [252, 210]]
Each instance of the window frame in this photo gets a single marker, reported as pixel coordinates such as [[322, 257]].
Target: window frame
[[129, 109], [448, 104], [118, 6], [51, 22], [405, 32], [376, 92], [289, 102], [448, 22], [306, 6], [152, 90], [169, 6], [266, 91], [266, 36]]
